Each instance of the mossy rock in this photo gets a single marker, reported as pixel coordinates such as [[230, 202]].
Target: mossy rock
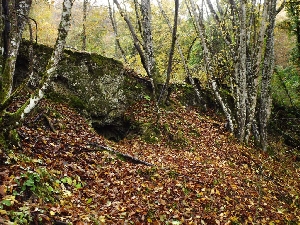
[[100, 88]]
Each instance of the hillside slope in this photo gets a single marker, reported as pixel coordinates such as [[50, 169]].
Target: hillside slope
[[186, 169]]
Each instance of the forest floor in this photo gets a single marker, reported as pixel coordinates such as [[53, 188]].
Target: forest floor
[[64, 172]]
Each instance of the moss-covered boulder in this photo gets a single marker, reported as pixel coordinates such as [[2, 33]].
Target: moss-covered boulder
[[98, 87]]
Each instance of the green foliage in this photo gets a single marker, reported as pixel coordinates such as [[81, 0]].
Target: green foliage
[[23, 216], [286, 87], [147, 97], [71, 181], [293, 11], [38, 183]]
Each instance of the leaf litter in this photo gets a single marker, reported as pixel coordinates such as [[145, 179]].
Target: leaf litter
[[200, 173]]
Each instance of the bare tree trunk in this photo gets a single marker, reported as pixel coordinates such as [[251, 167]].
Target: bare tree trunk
[[16, 18], [207, 63], [186, 68], [267, 72], [114, 25], [85, 4], [53, 61], [148, 42], [253, 73], [250, 44], [14, 14], [241, 74], [171, 54], [147, 56]]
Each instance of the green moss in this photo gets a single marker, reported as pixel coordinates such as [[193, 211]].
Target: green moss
[[150, 133], [103, 62], [14, 138], [70, 99], [3, 143], [77, 102], [8, 139], [6, 79], [56, 97]]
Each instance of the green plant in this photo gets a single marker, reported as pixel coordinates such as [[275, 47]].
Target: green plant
[[21, 217], [72, 182], [37, 183], [147, 97], [151, 133], [286, 87]]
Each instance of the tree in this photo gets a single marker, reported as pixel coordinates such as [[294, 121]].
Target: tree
[[172, 49], [114, 25], [293, 12], [247, 34], [144, 47], [85, 5], [175, 41], [15, 17]]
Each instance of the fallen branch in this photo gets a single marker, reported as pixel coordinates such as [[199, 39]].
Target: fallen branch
[[134, 160], [124, 156]]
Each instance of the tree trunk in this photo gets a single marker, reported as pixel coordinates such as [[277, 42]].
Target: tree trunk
[[253, 73], [170, 62], [146, 54], [241, 74], [267, 72], [14, 14], [11, 120], [63, 30], [200, 28], [85, 4], [248, 39], [148, 43], [114, 25]]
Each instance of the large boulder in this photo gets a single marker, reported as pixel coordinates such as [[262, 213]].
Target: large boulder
[[100, 88]]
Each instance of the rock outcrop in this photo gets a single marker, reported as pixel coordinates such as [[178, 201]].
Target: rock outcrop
[[100, 88]]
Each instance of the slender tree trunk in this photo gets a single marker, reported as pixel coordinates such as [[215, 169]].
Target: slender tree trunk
[[253, 73], [114, 25], [146, 54], [85, 4], [14, 14], [250, 44], [148, 43], [147, 35], [242, 81], [200, 28], [171, 54], [63, 30], [16, 22], [185, 66]]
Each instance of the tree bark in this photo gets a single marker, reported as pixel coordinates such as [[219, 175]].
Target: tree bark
[[241, 74], [200, 28], [114, 25], [14, 14], [83, 35], [171, 53], [267, 72], [249, 40], [253, 73], [146, 54]]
